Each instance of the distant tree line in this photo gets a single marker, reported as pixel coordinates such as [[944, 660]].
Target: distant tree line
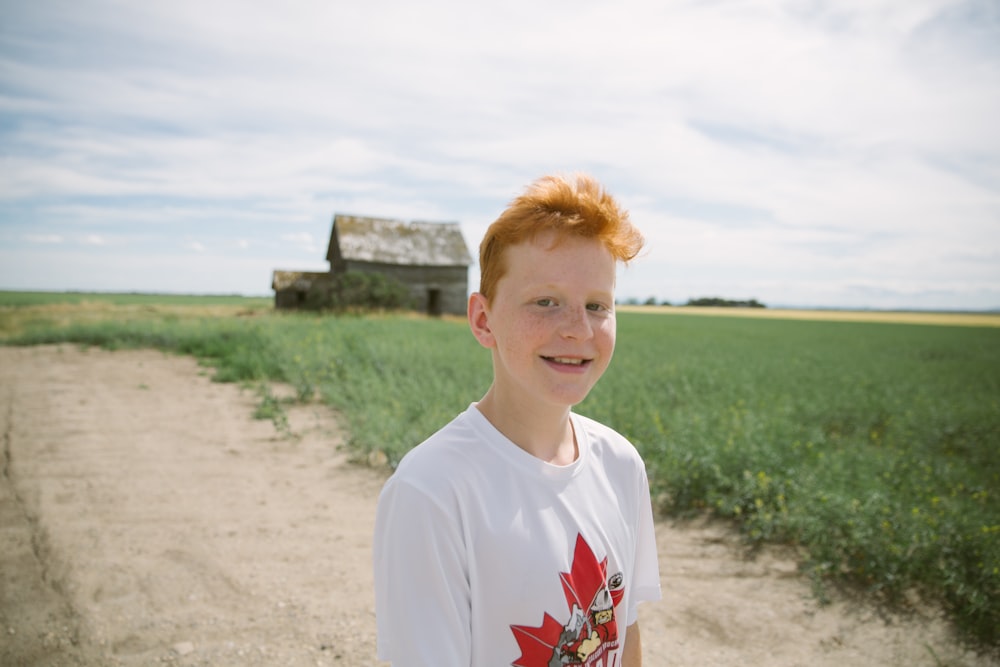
[[703, 301], [725, 303]]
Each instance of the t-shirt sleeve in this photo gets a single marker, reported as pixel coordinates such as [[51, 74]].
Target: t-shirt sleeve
[[646, 578], [422, 595]]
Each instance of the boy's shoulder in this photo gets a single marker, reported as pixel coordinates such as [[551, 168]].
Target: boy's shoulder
[[604, 434], [450, 467], [598, 428], [443, 452], [609, 447]]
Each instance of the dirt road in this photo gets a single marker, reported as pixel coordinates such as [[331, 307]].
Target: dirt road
[[146, 518]]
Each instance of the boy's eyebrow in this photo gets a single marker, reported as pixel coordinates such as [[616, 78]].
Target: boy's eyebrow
[[543, 287]]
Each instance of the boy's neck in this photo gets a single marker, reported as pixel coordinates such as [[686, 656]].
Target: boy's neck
[[545, 432]]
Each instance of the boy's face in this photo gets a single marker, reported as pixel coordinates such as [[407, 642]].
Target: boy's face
[[551, 324]]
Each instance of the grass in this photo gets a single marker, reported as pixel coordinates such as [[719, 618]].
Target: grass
[[24, 312], [14, 299], [871, 446]]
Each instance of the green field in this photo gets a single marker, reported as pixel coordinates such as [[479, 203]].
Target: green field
[[871, 446], [15, 299]]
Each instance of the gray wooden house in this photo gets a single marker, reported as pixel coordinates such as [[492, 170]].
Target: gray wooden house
[[430, 258]]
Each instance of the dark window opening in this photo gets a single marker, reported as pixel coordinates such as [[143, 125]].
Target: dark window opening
[[434, 302]]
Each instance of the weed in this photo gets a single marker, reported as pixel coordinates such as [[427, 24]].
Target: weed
[[270, 407]]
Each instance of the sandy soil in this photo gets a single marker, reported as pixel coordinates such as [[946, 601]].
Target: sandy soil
[[146, 518]]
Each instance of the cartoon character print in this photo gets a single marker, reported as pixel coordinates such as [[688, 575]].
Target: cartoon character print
[[590, 635]]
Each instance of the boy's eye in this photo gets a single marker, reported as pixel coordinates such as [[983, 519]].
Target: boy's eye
[[545, 303], [596, 307]]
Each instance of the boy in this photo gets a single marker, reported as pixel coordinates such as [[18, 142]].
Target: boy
[[521, 533]]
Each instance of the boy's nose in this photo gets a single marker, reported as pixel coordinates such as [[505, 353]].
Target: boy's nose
[[576, 324]]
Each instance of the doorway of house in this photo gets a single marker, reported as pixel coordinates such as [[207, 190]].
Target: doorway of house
[[434, 302]]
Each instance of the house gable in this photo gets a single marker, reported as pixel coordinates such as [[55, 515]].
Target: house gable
[[381, 241]]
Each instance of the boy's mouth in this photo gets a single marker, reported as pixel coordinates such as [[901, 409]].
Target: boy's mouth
[[567, 361]]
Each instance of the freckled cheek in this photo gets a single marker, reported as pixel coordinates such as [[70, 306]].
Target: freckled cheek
[[527, 335], [533, 329], [605, 350], [607, 332]]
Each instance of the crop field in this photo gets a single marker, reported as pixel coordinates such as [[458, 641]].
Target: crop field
[[954, 318], [872, 446], [22, 299]]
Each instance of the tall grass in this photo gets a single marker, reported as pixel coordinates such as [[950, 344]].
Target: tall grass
[[9, 298], [871, 446]]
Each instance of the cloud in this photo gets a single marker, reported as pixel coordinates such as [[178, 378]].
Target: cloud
[[305, 243], [300, 237], [43, 238], [757, 143]]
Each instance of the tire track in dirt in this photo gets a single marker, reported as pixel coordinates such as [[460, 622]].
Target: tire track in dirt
[[37, 623]]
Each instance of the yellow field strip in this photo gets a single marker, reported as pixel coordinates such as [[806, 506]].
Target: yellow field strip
[[898, 317]]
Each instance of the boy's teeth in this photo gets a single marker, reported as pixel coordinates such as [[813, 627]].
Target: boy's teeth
[[566, 360]]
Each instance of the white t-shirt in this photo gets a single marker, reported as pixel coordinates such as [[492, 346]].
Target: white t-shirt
[[486, 555]]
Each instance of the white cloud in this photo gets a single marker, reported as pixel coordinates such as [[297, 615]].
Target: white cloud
[[305, 243], [43, 238], [299, 237], [759, 144]]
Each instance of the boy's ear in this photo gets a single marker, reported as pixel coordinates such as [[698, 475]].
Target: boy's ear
[[479, 320]]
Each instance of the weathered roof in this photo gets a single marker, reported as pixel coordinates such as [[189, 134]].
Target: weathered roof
[[396, 242]]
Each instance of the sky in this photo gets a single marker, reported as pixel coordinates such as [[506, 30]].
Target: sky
[[806, 153]]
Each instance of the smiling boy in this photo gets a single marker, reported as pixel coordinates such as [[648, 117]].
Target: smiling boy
[[521, 533]]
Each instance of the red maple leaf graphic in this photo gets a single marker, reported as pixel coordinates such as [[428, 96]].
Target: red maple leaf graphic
[[554, 643]]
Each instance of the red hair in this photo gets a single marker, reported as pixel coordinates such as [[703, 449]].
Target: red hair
[[576, 206]]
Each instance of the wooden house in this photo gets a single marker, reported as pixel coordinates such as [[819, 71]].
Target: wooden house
[[430, 259]]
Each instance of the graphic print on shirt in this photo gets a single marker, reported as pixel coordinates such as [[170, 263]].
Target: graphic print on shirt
[[589, 635]]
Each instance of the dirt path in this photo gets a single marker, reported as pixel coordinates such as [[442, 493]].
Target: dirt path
[[146, 518]]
